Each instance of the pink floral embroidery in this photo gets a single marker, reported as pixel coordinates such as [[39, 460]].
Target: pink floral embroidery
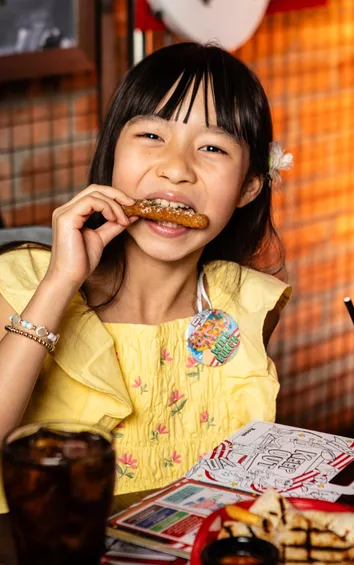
[[139, 383], [165, 356], [193, 368], [127, 459], [160, 430], [205, 419], [174, 459], [129, 463], [191, 362], [174, 402], [116, 433], [175, 397]]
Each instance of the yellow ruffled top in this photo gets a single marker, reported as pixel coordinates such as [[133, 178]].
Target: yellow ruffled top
[[182, 409], [140, 381]]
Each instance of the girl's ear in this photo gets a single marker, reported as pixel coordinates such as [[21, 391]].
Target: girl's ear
[[250, 191]]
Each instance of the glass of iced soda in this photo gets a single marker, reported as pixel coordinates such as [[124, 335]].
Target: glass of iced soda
[[59, 482]]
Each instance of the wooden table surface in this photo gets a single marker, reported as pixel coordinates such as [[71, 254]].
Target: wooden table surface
[[7, 548]]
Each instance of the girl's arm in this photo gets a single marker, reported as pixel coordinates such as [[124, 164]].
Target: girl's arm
[[21, 358], [76, 253]]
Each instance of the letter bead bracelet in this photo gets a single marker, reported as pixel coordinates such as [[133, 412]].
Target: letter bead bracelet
[[40, 334]]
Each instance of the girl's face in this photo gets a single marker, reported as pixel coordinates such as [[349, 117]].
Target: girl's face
[[188, 163]]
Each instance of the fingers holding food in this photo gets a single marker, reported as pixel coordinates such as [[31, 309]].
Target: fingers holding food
[[77, 249]]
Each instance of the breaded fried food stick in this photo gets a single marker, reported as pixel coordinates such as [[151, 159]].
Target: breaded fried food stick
[[182, 216]]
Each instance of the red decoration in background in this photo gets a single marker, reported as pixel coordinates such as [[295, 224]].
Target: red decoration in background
[[146, 21], [287, 5], [144, 18]]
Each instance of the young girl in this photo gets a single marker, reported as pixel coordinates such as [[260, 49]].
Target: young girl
[[162, 327]]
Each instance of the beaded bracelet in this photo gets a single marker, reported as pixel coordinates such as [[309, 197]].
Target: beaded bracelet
[[46, 344], [40, 334]]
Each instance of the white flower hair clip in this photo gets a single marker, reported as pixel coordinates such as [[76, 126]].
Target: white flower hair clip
[[278, 160]]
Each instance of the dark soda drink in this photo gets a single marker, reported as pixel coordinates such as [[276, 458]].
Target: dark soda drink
[[59, 482]]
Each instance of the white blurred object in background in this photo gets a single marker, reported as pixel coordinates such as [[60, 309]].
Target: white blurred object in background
[[227, 22]]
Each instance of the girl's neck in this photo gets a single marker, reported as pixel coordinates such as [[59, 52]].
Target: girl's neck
[[152, 291]]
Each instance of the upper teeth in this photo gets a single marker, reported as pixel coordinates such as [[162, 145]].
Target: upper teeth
[[168, 204]]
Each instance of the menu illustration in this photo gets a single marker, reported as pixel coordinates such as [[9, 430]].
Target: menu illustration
[[296, 462]]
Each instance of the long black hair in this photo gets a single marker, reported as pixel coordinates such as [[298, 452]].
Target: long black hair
[[242, 109]]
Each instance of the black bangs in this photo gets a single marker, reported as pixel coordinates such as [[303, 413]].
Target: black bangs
[[239, 100], [193, 65]]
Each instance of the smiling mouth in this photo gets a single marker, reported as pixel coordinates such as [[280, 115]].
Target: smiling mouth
[[164, 211]]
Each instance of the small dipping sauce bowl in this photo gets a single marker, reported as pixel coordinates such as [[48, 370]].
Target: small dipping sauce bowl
[[239, 551]]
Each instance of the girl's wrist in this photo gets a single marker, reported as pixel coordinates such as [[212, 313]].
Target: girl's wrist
[[59, 287], [48, 304], [60, 280]]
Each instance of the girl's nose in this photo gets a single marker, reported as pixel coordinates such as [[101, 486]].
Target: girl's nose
[[177, 168]]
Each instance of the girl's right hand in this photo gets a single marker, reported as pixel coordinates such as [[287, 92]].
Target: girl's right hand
[[76, 251]]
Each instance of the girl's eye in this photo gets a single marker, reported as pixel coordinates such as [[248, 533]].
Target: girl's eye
[[213, 149], [152, 136]]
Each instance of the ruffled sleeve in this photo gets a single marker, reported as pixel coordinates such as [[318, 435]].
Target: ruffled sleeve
[[250, 377]]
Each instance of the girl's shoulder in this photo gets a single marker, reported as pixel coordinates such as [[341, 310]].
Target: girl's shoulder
[[249, 290], [22, 268]]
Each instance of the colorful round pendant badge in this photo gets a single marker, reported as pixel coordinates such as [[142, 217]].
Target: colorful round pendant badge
[[213, 337]]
